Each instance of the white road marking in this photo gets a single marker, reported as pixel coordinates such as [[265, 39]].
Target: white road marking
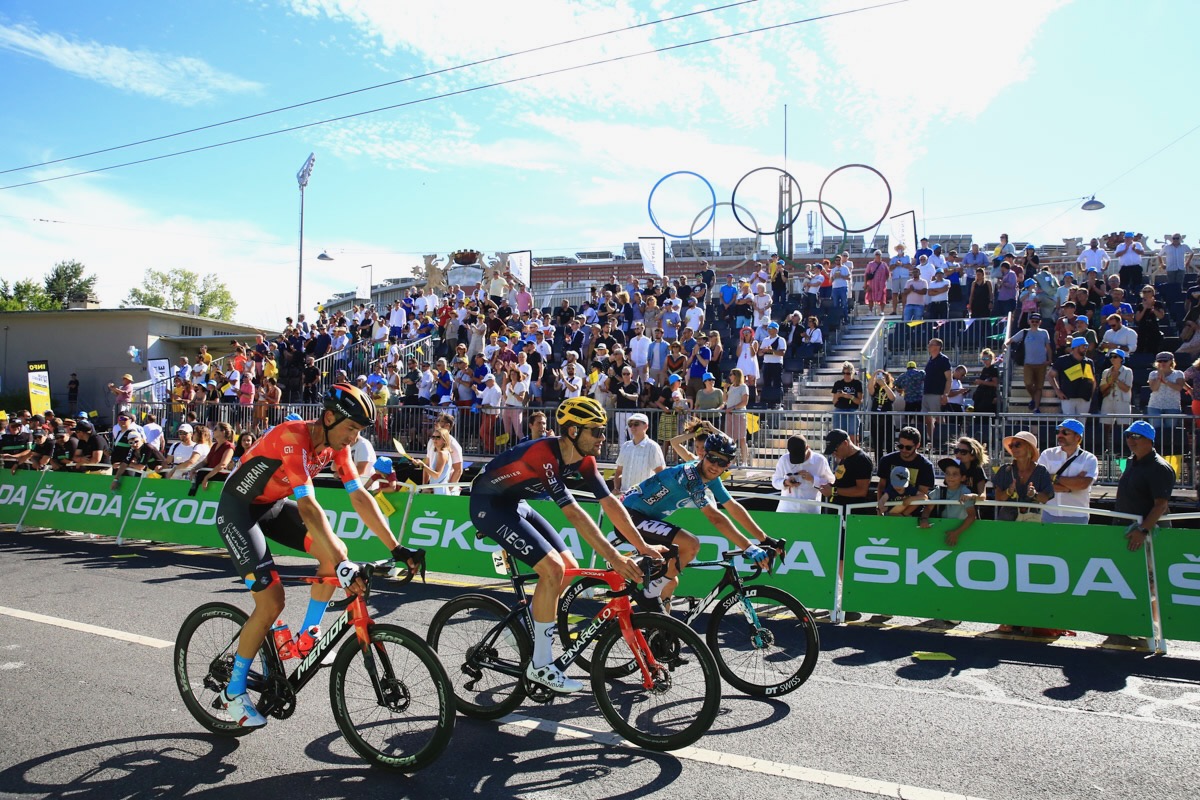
[[12, 665], [84, 627], [746, 763]]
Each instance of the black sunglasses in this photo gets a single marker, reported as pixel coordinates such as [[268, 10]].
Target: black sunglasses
[[597, 431], [720, 462], [962, 450], [1134, 436], [906, 447]]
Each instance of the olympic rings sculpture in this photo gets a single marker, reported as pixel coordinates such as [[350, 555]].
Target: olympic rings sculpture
[[690, 234], [713, 208], [785, 222], [886, 209], [783, 226]]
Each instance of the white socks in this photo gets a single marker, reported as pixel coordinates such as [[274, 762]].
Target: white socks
[[543, 638], [655, 587]]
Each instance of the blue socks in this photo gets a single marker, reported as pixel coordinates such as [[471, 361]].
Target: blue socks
[[237, 681], [316, 610]]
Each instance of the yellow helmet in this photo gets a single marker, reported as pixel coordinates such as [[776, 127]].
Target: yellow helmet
[[581, 411]]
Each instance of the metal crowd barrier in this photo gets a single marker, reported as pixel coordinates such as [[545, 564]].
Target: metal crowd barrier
[[766, 440]]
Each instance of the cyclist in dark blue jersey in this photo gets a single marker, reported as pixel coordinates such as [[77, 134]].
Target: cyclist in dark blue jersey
[[537, 470], [692, 484]]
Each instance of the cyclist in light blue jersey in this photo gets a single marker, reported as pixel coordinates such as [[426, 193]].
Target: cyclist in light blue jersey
[[693, 484]]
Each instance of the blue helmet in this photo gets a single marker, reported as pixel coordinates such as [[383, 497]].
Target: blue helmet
[[720, 444]]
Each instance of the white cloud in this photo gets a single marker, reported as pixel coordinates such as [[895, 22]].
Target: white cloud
[[118, 240], [177, 79], [728, 77], [897, 73]]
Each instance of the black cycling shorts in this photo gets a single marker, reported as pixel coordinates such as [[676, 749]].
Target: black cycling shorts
[[653, 531], [521, 531], [245, 529]]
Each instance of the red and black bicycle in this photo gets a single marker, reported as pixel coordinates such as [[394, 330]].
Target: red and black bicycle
[[391, 697]]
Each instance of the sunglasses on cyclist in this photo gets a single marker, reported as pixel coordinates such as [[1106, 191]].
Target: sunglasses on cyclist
[[596, 432], [720, 462]]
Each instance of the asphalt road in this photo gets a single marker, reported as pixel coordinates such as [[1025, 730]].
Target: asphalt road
[[86, 715]]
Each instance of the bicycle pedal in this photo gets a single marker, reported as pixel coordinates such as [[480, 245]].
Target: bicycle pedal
[[538, 693]]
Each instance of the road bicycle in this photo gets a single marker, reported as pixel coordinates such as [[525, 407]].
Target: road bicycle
[[391, 697], [667, 698], [764, 640]]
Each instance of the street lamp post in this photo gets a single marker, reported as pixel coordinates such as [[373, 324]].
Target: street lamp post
[[302, 178]]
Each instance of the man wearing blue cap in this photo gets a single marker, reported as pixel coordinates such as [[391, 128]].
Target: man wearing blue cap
[[1073, 377], [772, 350], [1073, 470], [1129, 256], [1146, 484]]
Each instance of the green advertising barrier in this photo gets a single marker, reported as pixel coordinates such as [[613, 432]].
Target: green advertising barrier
[[808, 570], [1077, 577], [77, 502], [1177, 574], [15, 493]]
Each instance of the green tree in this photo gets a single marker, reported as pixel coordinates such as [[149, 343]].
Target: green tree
[[181, 289], [67, 281], [25, 295]]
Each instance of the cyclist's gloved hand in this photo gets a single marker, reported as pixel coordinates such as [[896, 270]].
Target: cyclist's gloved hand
[[347, 573], [756, 554]]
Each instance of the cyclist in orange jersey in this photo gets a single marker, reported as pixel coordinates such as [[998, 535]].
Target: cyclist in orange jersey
[[270, 496]]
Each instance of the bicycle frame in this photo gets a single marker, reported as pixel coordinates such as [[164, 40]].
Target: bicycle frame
[[618, 607], [731, 580], [356, 615]]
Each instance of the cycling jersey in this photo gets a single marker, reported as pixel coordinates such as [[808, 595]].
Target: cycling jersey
[[283, 463], [531, 470], [681, 486], [535, 470], [258, 501]]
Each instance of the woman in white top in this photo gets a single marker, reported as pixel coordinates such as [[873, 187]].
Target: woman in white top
[[188, 452], [1166, 383], [476, 331], [437, 470], [747, 357], [762, 307], [516, 394]]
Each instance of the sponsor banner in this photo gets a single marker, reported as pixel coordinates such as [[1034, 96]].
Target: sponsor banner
[[808, 569], [160, 373], [520, 264], [162, 512], [1078, 577], [39, 386], [653, 251], [1177, 573], [15, 493], [902, 229], [69, 501]]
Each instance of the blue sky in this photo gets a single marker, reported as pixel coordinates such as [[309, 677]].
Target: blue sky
[[965, 106]]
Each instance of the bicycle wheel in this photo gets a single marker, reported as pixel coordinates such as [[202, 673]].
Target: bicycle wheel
[[393, 703], [204, 651], [685, 697], [579, 605], [773, 658], [469, 637]]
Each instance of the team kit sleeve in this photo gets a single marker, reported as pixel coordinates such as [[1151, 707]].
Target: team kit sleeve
[[344, 468], [294, 455]]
